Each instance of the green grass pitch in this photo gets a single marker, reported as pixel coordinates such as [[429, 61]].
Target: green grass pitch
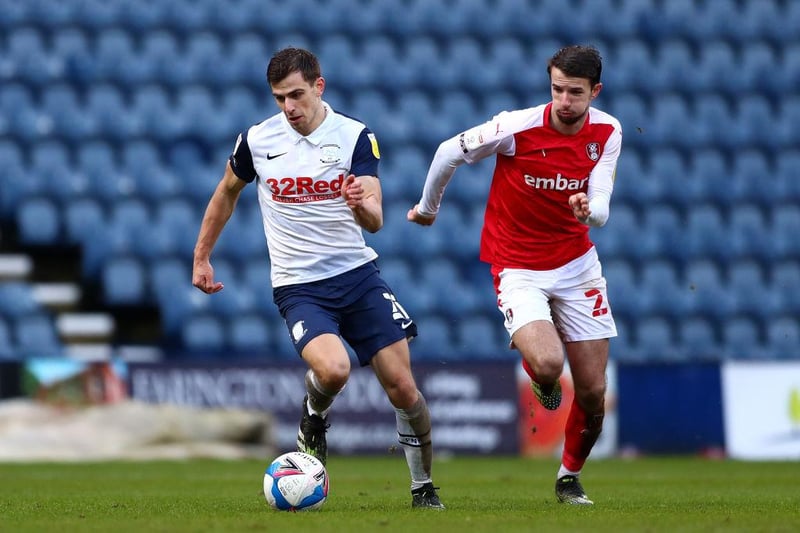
[[491, 494]]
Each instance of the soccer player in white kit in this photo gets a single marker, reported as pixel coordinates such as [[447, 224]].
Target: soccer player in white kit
[[316, 174], [553, 178]]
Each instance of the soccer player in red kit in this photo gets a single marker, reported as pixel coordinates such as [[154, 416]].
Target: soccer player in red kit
[[552, 181]]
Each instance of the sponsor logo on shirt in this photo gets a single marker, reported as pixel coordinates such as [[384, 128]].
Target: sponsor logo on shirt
[[303, 189], [559, 183]]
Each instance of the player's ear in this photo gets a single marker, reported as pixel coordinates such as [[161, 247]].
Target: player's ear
[[319, 86], [596, 89]]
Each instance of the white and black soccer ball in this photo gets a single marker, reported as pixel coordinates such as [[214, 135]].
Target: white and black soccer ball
[[296, 481]]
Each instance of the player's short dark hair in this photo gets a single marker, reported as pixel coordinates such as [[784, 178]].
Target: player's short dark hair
[[289, 60], [578, 61]]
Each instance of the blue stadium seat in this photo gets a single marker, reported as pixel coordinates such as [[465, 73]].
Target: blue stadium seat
[[709, 295], [717, 68], [706, 233], [482, 337], [672, 56], [154, 108], [786, 183], [16, 299], [668, 169], [661, 290], [620, 237], [672, 123], [783, 338], [166, 273], [203, 334], [402, 279], [240, 108], [697, 338], [36, 336], [248, 54], [755, 121], [60, 106], [713, 118], [154, 180], [741, 339], [656, 340], [750, 291], [80, 217], [623, 288], [114, 55], [99, 14], [161, 48], [250, 335], [786, 133], [759, 66], [97, 161], [633, 66], [451, 296], [784, 280], [419, 59], [785, 227], [198, 113], [633, 113], [205, 48], [662, 232], [27, 51], [106, 106], [436, 340], [748, 227], [708, 173], [38, 222], [630, 169], [124, 281]]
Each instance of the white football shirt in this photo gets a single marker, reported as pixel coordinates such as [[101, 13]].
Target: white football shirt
[[311, 233]]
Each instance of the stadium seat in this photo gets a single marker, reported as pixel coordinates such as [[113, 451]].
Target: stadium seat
[[754, 123], [436, 340], [16, 299], [36, 336], [80, 217], [38, 222], [61, 107], [482, 337], [785, 225], [760, 65], [656, 340], [663, 233], [668, 168], [709, 295], [741, 339], [672, 123], [27, 50], [248, 54], [717, 69], [786, 183], [203, 334], [633, 113], [250, 335], [154, 108], [783, 338], [623, 288], [750, 291], [714, 120], [662, 291], [633, 66], [697, 338], [124, 281], [672, 57], [786, 134], [706, 233], [114, 53], [748, 228], [112, 118], [204, 48], [154, 180], [451, 296], [709, 172], [97, 161]]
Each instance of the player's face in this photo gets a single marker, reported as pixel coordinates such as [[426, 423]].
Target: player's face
[[300, 101], [571, 100]]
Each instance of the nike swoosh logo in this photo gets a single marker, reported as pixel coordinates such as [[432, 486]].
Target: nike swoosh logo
[[404, 325], [273, 156]]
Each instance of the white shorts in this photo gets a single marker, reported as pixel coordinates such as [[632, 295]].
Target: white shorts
[[573, 297]]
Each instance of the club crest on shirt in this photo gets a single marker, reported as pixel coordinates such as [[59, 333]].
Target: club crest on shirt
[[331, 153], [593, 151], [509, 316]]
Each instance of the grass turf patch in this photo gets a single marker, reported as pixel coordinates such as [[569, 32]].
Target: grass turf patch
[[492, 494]]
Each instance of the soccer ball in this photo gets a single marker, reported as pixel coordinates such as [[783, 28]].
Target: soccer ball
[[296, 481]]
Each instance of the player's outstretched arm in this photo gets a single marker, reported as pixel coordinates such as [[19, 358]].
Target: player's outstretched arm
[[218, 211]]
